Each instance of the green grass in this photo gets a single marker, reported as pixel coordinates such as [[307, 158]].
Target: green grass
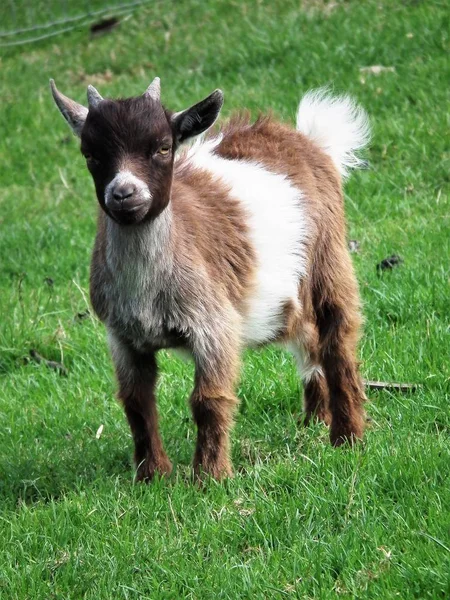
[[299, 519]]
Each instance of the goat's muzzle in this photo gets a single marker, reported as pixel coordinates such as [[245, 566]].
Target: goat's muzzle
[[127, 199]]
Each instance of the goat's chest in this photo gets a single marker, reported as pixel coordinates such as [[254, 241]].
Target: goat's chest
[[142, 308], [140, 291]]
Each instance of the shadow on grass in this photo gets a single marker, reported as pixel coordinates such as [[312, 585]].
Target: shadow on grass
[[30, 482]]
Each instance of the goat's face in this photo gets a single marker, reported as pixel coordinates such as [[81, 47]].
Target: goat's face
[[129, 147]]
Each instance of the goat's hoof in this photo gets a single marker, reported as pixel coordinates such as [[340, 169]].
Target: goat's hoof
[[348, 438], [217, 471], [147, 469], [321, 416]]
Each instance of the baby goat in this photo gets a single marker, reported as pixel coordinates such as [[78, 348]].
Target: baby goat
[[236, 241]]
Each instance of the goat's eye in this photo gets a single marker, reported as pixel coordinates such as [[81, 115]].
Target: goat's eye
[[91, 159], [164, 150]]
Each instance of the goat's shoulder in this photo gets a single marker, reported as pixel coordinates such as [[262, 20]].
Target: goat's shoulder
[[212, 230]]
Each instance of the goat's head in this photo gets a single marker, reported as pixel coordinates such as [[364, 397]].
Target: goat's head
[[129, 146]]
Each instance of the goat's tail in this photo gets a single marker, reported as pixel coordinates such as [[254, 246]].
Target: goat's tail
[[336, 124]]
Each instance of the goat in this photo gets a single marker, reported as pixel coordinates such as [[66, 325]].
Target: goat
[[238, 240]]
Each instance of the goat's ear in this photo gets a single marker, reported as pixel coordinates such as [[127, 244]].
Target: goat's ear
[[198, 118], [74, 113]]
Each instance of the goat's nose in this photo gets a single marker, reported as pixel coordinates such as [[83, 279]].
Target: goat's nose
[[121, 192]]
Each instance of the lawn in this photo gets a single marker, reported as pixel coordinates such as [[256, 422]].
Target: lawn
[[299, 519]]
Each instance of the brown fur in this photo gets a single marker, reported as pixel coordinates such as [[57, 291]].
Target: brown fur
[[203, 207]]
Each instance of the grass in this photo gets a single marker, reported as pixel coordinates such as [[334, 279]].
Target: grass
[[299, 519]]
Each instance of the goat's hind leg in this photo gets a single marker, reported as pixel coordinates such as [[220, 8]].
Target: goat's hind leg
[[316, 401], [136, 374], [338, 328], [315, 389]]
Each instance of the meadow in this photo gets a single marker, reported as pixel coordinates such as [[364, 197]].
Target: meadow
[[299, 519]]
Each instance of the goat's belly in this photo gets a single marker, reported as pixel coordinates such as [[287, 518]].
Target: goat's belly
[[267, 318]]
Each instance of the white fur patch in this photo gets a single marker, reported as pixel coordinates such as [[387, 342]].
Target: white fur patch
[[278, 231], [124, 178], [337, 124], [306, 368]]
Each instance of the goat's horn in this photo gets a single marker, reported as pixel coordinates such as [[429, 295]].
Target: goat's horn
[[93, 97], [154, 89]]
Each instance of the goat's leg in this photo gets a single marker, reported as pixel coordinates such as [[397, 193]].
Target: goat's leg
[[315, 392], [339, 332], [213, 415], [316, 399], [137, 375], [213, 405]]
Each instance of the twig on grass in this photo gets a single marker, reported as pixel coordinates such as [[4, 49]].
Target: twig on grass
[[397, 387], [51, 364]]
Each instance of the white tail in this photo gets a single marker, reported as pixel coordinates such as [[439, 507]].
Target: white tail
[[337, 124]]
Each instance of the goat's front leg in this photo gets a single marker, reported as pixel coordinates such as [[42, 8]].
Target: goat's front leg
[[136, 374], [213, 405]]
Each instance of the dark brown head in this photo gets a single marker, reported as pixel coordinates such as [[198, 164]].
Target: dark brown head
[[129, 146]]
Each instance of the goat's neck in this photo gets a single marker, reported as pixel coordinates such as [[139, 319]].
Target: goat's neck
[[143, 253]]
